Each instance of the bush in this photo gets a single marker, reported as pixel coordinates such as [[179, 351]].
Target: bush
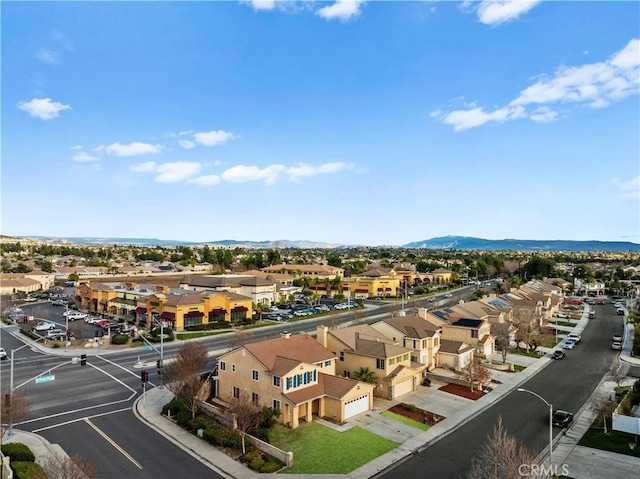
[[262, 434], [411, 407], [183, 417], [256, 463], [174, 407], [271, 466], [208, 326], [17, 451], [30, 334], [26, 470], [120, 339]]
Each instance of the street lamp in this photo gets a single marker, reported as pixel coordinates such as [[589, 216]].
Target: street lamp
[[161, 323], [522, 390]]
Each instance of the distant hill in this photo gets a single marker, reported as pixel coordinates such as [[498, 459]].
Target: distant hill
[[470, 243], [172, 243]]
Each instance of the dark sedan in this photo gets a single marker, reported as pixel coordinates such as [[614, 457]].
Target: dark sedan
[[562, 418]]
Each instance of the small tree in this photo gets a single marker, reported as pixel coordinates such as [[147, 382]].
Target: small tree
[[14, 408], [475, 372], [74, 467], [604, 408], [248, 415], [365, 375], [182, 375], [500, 457], [503, 341]]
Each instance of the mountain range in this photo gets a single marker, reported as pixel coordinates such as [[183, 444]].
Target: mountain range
[[441, 243]]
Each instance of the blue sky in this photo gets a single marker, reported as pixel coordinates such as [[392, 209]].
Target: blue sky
[[346, 122]]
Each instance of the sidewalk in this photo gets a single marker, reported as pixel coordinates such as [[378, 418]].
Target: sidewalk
[[582, 462]]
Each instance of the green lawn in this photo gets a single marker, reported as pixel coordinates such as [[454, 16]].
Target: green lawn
[[518, 368], [318, 449], [406, 420], [522, 352], [614, 441], [198, 334], [564, 323]]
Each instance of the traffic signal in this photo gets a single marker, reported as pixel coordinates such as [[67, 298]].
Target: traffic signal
[[68, 333], [83, 360], [159, 363], [144, 376]]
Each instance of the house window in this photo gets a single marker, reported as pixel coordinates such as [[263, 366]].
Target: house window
[[380, 363], [405, 357], [288, 383], [255, 398], [436, 341], [254, 375], [474, 333], [392, 361], [276, 404], [192, 320], [233, 368], [276, 381], [347, 374], [223, 366], [341, 355], [236, 392], [327, 364]]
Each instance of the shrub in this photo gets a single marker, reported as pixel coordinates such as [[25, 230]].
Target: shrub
[[120, 339], [174, 407], [411, 407], [18, 452], [256, 463], [30, 334], [426, 382], [271, 466], [262, 434], [183, 417], [26, 470], [208, 326]]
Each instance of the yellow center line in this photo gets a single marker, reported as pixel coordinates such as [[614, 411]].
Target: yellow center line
[[113, 443]]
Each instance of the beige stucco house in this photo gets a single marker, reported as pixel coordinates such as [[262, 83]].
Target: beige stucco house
[[295, 374]]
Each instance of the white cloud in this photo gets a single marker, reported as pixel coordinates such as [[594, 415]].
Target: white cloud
[[182, 133], [48, 56], [303, 170], [243, 174], [207, 180], [263, 4], [99, 149], [186, 144], [42, 108], [594, 85], [629, 189], [342, 10], [132, 149], [177, 171], [496, 12], [146, 167], [76, 147], [83, 156], [213, 138]]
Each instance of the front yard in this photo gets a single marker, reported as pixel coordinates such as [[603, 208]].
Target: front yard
[[312, 444], [614, 441]]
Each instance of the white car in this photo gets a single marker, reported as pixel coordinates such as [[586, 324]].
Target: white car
[[3, 354], [568, 344], [574, 337], [448, 295], [45, 326], [92, 319], [73, 315]]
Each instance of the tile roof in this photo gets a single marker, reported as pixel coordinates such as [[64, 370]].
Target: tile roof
[[299, 347], [413, 326], [454, 347], [332, 386], [365, 331]]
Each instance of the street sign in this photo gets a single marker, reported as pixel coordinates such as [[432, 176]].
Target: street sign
[[149, 347], [45, 379]]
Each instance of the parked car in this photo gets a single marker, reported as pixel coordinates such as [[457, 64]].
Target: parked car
[[620, 312], [562, 418], [3, 354], [575, 337], [448, 295], [561, 315], [92, 319], [53, 332], [558, 354], [568, 344], [44, 326], [592, 315], [58, 302], [617, 346], [73, 315], [601, 301]]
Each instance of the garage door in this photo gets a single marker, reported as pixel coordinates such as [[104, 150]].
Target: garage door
[[404, 387], [356, 406]]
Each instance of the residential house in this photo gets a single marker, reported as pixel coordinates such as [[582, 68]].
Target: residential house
[[414, 333], [363, 346], [295, 374]]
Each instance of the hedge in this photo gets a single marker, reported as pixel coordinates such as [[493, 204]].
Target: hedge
[[208, 326], [27, 470], [120, 339], [17, 451]]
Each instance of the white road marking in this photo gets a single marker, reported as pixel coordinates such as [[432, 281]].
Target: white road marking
[[114, 378], [76, 420]]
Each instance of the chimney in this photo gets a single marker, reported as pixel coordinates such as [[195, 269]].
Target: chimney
[[321, 335], [286, 335]]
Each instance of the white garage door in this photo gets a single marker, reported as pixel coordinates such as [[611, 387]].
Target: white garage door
[[356, 406], [404, 387]]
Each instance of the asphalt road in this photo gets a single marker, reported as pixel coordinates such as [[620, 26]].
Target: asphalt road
[[566, 384]]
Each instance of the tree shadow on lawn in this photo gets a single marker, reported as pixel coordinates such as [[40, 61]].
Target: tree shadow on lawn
[[318, 449]]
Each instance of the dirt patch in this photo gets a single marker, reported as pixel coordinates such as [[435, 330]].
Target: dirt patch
[[417, 414], [462, 391]]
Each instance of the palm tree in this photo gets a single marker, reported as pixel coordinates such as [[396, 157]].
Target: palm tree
[[365, 375]]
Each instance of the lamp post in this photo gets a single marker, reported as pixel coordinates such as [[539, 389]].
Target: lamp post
[[522, 390], [66, 331], [161, 323]]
